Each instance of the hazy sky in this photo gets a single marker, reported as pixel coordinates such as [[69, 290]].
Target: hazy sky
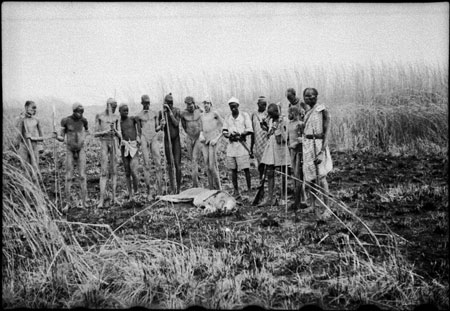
[[83, 51]]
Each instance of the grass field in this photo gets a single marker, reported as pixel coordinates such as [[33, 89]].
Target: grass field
[[390, 202]]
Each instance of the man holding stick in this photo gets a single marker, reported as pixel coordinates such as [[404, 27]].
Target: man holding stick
[[108, 128], [129, 148], [74, 130], [259, 136], [172, 144], [30, 134], [148, 128], [237, 126], [317, 161], [191, 120]]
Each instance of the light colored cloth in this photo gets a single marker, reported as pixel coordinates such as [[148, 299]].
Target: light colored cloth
[[238, 163], [233, 100], [241, 124], [131, 148], [261, 138], [314, 122], [275, 153], [75, 106]]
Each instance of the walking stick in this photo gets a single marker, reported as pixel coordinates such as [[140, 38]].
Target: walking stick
[[55, 154], [315, 157], [286, 171], [169, 141], [113, 146]]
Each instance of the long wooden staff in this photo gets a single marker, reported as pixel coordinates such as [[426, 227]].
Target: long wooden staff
[[113, 146], [315, 158], [169, 140], [55, 154]]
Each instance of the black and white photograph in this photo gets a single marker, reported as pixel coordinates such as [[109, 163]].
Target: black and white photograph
[[225, 155]]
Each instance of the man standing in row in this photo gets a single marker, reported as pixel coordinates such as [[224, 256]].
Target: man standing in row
[[236, 128], [129, 148], [211, 133], [74, 129], [107, 127], [259, 136], [30, 134], [148, 128], [172, 144], [192, 124]]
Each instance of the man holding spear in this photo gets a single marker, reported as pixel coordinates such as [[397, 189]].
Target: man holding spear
[[74, 130], [170, 121], [108, 128]]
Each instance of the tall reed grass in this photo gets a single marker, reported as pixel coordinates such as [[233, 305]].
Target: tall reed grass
[[380, 107]]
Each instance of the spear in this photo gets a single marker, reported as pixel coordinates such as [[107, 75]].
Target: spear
[[55, 154], [171, 165], [113, 147]]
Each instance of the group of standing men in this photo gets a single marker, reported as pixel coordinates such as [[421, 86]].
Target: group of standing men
[[275, 142]]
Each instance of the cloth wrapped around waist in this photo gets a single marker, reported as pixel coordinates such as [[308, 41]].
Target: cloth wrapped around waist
[[130, 148]]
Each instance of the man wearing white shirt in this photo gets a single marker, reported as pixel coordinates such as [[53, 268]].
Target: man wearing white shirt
[[237, 126]]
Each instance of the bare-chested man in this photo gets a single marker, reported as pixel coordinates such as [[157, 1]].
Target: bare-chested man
[[148, 128], [74, 129], [191, 119], [129, 148], [30, 134], [212, 124], [107, 127], [171, 118]]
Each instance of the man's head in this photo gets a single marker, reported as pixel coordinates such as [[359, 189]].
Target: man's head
[[262, 104], [111, 102], [293, 112], [30, 108], [290, 94], [169, 99], [273, 110], [123, 110], [207, 104], [234, 105], [310, 96], [78, 110], [145, 101], [190, 103]]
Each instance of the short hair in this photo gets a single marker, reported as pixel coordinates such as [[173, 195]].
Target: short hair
[[28, 103], [310, 88], [291, 90], [273, 106], [295, 109]]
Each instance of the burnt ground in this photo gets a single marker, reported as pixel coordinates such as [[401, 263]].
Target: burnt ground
[[405, 194]]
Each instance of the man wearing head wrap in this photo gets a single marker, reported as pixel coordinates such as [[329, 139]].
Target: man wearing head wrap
[[275, 151], [29, 135], [171, 119], [237, 126], [129, 148], [259, 137], [107, 128], [149, 129], [209, 136], [74, 129], [192, 124]]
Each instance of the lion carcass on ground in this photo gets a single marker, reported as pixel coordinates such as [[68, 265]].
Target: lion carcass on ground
[[210, 201]]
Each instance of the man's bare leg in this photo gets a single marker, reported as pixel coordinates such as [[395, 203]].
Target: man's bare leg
[[104, 172], [83, 178], [146, 147], [176, 146], [69, 178], [155, 148], [126, 165], [134, 173], [113, 168], [213, 168], [196, 149], [248, 179]]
